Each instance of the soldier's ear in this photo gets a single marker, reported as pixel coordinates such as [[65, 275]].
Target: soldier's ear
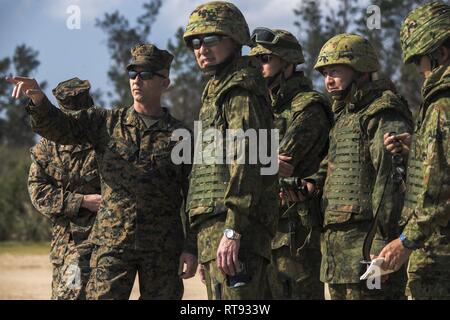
[[166, 83], [443, 54]]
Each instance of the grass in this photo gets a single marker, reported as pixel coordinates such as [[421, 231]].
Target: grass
[[24, 248]]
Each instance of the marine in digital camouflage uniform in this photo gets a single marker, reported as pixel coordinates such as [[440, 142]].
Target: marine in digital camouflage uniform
[[59, 178], [359, 170], [304, 118], [138, 228], [231, 196], [425, 36]]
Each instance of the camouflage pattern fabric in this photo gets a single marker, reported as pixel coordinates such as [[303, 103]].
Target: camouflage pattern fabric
[[71, 275], [349, 49], [234, 99], [304, 119], [424, 30], [150, 57], [142, 190], [427, 205], [218, 289], [114, 270], [218, 17], [59, 177], [360, 291], [352, 195], [292, 54]]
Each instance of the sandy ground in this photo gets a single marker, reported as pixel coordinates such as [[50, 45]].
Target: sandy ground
[[28, 276]]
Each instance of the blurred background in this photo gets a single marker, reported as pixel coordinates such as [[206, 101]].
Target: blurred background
[[54, 40]]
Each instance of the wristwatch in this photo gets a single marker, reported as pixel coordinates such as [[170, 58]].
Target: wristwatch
[[231, 234], [409, 244]]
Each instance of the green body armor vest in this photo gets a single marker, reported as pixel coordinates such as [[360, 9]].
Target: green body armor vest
[[351, 175], [209, 182]]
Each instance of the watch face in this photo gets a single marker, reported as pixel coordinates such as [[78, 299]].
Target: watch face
[[229, 234]]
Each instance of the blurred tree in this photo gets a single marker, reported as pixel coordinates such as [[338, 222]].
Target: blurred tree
[[188, 82], [121, 37], [19, 221], [386, 41], [14, 122]]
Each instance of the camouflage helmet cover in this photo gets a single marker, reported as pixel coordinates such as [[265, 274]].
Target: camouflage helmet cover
[[149, 56], [292, 54], [218, 17], [73, 93], [349, 49], [424, 30]]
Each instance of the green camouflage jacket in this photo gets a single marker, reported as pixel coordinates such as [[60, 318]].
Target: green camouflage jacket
[[304, 118], [427, 204], [59, 177], [358, 170], [235, 195], [142, 189]]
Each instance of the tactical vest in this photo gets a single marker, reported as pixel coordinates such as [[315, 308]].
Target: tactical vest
[[351, 175], [283, 116], [420, 150], [414, 181], [209, 182]]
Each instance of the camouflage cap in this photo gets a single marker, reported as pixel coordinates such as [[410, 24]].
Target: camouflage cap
[[73, 94], [287, 48], [218, 17], [149, 56], [349, 49], [424, 30]]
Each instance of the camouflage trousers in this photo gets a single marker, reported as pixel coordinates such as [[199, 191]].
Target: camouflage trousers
[[296, 278], [216, 281], [392, 289], [71, 276], [428, 268], [114, 271]]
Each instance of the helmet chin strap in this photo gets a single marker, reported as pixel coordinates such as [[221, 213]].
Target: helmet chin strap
[[434, 62], [277, 78], [217, 68], [340, 95]]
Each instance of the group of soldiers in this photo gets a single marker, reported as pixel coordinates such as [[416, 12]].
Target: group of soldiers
[[368, 183]]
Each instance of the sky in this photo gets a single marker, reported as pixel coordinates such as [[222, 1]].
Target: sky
[[65, 53]]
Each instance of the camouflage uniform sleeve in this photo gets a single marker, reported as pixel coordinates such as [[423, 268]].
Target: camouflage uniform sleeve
[[436, 203], [308, 128], [243, 190], [85, 126], [48, 198], [381, 123], [190, 244], [320, 176]]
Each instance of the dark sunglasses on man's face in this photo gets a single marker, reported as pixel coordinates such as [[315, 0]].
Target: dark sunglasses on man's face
[[265, 58], [208, 41], [143, 75]]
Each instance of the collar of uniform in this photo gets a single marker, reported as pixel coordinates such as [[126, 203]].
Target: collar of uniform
[[75, 148], [368, 92], [288, 89], [437, 81], [132, 119]]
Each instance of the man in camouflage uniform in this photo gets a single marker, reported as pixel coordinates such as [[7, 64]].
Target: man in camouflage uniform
[[233, 206], [138, 228], [425, 40], [304, 118], [358, 182], [65, 187]]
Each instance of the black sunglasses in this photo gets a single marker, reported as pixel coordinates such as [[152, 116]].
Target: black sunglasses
[[208, 41], [144, 75], [264, 58]]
